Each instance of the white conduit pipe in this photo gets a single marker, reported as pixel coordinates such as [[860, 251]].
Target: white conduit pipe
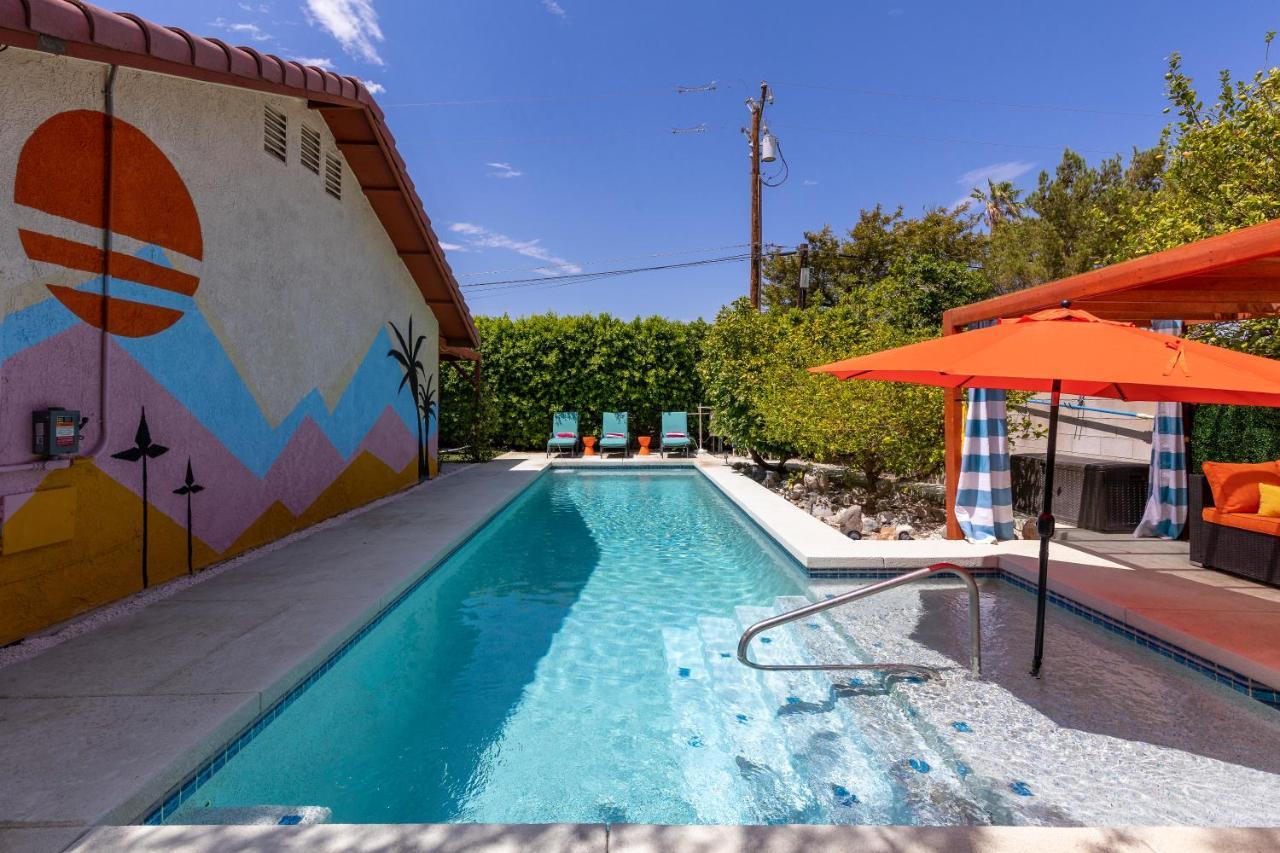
[[104, 372]]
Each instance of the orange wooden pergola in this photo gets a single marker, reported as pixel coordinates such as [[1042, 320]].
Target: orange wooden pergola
[[1234, 276]]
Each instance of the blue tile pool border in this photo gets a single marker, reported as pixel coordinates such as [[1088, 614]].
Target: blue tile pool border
[[1237, 681]]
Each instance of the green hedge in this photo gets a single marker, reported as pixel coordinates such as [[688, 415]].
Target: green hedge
[[534, 366], [1235, 434]]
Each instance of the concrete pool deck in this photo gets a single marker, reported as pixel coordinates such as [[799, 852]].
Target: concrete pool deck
[[96, 729]]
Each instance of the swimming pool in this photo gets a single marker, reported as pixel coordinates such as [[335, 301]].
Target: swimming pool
[[525, 679], [573, 663]]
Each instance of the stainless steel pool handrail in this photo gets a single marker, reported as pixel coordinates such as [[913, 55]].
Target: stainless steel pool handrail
[[975, 625]]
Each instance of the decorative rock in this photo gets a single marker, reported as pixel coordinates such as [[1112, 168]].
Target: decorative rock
[[905, 531], [771, 479], [821, 512]]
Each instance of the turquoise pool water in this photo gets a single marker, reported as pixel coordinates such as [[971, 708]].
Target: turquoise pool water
[[528, 678]]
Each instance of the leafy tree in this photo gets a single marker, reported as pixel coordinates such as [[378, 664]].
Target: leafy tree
[[844, 268], [736, 357], [1223, 173], [766, 403], [919, 288], [1068, 223]]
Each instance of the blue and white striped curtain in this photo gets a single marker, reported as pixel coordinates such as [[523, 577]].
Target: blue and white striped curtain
[[984, 501], [1166, 511]]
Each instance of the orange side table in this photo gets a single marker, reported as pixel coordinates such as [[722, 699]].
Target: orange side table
[[644, 444], [588, 445]]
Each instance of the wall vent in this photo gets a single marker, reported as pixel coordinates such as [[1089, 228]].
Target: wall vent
[[309, 154], [275, 133], [333, 175]]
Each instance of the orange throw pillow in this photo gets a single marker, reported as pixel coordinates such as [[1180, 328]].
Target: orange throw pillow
[[1235, 486]]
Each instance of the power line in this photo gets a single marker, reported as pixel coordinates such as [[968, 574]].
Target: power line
[[538, 99], [946, 140], [973, 101], [578, 278], [665, 254]]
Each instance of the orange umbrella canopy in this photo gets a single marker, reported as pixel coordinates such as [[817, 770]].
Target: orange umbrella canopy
[[1088, 356]]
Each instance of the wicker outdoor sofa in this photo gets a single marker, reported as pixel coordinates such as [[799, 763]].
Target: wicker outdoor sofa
[[1219, 541]]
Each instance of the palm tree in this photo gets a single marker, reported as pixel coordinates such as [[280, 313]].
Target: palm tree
[[143, 449], [407, 357], [1000, 202], [426, 408], [189, 488]]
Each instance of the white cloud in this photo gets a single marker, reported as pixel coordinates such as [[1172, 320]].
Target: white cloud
[[504, 170], [260, 8], [318, 61], [453, 247], [809, 183], [253, 31], [354, 23], [554, 8], [479, 237], [996, 172], [374, 88]]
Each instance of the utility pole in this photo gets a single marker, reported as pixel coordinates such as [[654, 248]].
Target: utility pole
[[802, 299], [757, 119]]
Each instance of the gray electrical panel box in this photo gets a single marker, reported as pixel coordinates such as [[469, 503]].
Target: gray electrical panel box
[[55, 432]]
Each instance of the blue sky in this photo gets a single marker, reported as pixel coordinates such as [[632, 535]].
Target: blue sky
[[561, 156]]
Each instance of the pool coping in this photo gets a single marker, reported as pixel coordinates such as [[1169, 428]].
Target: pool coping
[[647, 838]]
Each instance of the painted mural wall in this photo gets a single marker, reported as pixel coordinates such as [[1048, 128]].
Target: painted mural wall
[[260, 370]]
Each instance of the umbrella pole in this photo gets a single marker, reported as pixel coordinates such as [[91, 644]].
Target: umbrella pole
[[1045, 524]]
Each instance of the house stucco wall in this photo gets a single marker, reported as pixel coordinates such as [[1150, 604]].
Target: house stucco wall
[[249, 319]]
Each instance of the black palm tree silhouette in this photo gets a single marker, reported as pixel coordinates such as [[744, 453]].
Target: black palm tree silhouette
[[427, 407], [189, 488], [143, 449], [407, 357]]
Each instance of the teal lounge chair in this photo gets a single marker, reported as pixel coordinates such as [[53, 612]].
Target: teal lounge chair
[[614, 434], [675, 433], [564, 433]]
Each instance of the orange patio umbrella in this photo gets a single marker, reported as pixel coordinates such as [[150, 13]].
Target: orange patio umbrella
[[1066, 350]]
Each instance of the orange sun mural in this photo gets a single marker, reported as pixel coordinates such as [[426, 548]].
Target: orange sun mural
[[61, 172]]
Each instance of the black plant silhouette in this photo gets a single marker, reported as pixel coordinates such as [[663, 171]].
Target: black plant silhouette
[[143, 449], [407, 357], [189, 488], [426, 407]]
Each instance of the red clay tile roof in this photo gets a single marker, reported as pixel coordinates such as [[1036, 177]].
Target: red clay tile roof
[[72, 28]]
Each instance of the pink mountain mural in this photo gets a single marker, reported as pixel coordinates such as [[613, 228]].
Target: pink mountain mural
[[234, 498]]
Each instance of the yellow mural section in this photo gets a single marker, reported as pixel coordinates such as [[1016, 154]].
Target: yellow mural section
[[41, 586]]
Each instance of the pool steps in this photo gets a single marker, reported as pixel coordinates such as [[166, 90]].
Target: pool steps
[[788, 746]]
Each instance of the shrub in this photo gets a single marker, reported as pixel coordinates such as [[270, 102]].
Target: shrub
[[1235, 434], [534, 366]]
